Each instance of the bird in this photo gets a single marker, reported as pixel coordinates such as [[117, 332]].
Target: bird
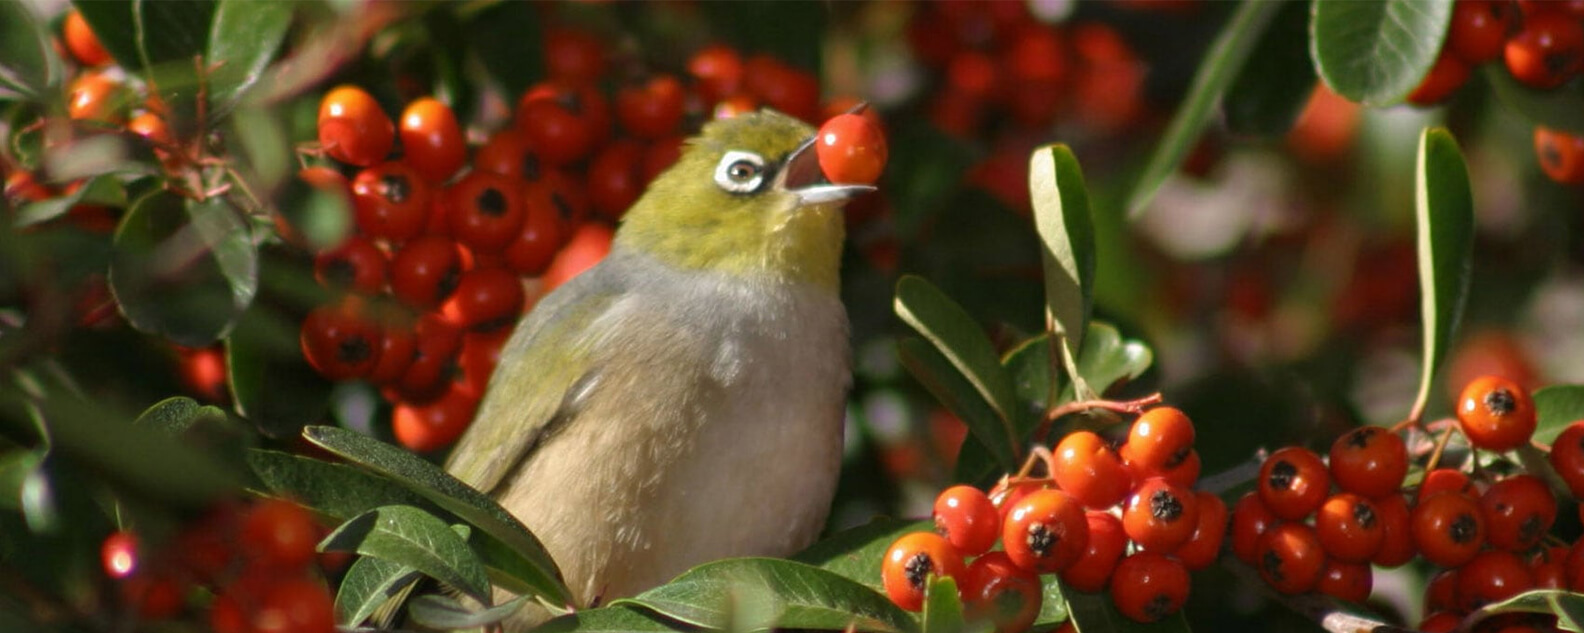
[[682, 401]]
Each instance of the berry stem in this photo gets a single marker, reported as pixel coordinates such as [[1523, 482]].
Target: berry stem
[[1435, 455], [1123, 406]]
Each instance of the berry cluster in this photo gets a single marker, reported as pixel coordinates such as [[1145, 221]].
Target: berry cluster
[[258, 564], [433, 279], [1541, 44], [1077, 522], [1318, 525]]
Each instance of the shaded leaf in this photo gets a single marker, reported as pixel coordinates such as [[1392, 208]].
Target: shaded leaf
[[415, 538], [615, 619], [368, 584], [1222, 64], [103, 190], [507, 39], [336, 490], [1560, 108], [271, 383], [28, 64], [446, 613], [1444, 216], [243, 39], [1096, 612], [172, 30], [943, 610], [1376, 52], [507, 546], [856, 553], [1108, 359], [15, 468], [173, 416], [1557, 406], [1066, 230], [1566, 605], [1275, 84], [167, 278], [797, 596], [985, 426]]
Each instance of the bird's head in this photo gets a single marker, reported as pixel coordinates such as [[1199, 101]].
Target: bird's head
[[746, 198]]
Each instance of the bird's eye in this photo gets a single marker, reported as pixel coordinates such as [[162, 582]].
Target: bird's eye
[[740, 172]]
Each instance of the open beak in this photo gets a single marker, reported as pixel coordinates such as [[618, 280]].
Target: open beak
[[802, 176]]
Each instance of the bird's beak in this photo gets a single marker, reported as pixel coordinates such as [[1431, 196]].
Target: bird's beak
[[802, 177]]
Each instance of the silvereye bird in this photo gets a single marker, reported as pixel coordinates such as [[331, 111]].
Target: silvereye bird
[[682, 400]]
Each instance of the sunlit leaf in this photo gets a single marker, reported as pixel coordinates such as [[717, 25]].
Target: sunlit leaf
[[1444, 215], [1061, 216], [368, 584], [415, 538], [243, 39]]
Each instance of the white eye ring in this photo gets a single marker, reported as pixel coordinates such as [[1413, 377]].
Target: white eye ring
[[740, 172]]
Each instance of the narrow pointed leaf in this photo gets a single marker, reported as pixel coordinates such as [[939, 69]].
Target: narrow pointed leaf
[[1221, 65], [1557, 406], [799, 596], [618, 619], [368, 584], [1560, 108], [243, 39], [448, 614], [1375, 52], [105, 190], [1066, 230], [336, 490], [418, 539], [1276, 82], [1444, 214], [524, 557], [173, 416], [941, 379]]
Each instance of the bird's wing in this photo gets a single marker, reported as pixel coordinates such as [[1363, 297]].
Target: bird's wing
[[534, 390]]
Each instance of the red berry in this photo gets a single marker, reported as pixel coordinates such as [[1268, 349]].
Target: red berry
[[995, 589], [1204, 546], [485, 211], [279, 534], [431, 426], [1293, 482], [851, 150], [1107, 543], [486, 299], [912, 561], [432, 142], [1448, 528], [296, 605], [1148, 587], [564, 125], [82, 42], [1496, 414], [1370, 461], [782, 87], [717, 72], [1397, 546], [1250, 520], [398, 348], [1448, 75], [1519, 511], [1290, 558], [1492, 576], [357, 265], [1548, 50], [434, 364], [574, 55], [1346, 581], [588, 245], [425, 271], [967, 518], [1350, 528], [614, 178], [1479, 29], [339, 342], [651, 109], [95, 96], [1045, 531], [1160, 516], [1085, 467], [1158, 441], [1567, 457], [536, 245], [120, 554], [352, 127], [1445, 479], [1561, 155]]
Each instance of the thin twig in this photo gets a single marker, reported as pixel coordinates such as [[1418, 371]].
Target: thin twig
[[1122, 406]]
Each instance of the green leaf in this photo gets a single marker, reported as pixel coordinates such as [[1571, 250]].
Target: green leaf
[[963, 343], [1053, 607], [243, 39], [1276, 81], [506, 545], [943, 610], [415, 538], [173, 416], [856, 553], [271, 384], [986, 427], [336, 490], [1560, 108], [791, 595], [1375, 52], [15, 468], [105, 190], [1557, 406], [448, 614], [1108, 359], [28, 64], [1096, 612], [179, 271], [368, 584], [1566, 605], [1066, 230], [618, 619], [172, 30], [1444, 215], [1222, 64], [100, 154], [506, 37]]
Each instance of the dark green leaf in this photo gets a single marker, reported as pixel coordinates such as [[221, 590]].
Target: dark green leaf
[[28, 64], [446, 613], [777, 28], [1566, 605], [104, 190], [760, 593], [620, 619], [410, 536], [173, 416], [166, 276], [1066, 230], [15, 468], [505, 536], [99, 154], [1557, 406], [172, 30], [1444, 215], [322, 218], [224, 232], [961, 340], [1376, 52], [1276, 81], [1091, 612], [1560, 108], [271, 384], [856, 553], [1221, 66], [112, 23], [985, 426], [369, 583], [243, 40], [337, 490], [506, 37]]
